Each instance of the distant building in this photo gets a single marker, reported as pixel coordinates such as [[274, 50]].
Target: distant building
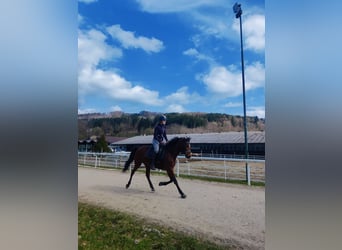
[[88, 145], [209, 143]]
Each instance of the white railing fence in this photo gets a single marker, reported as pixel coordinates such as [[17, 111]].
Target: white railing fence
[[222, 168]]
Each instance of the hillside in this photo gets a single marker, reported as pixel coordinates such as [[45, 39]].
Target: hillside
[[126, 125]]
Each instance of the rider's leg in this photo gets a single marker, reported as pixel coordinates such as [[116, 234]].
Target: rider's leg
[[155, 144]]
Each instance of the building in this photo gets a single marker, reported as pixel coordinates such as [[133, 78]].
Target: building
[[88, 145], [232, 143]]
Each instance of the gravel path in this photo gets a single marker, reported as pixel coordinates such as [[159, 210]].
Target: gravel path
[[225, 213]]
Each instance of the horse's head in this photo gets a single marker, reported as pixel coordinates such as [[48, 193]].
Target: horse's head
[[180, 144], [187, 147]]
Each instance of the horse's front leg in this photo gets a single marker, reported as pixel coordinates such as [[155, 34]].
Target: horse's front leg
[[164, 183], [174, 180]]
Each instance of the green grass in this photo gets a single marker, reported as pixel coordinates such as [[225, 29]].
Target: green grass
[[100, 228], [213, 179]]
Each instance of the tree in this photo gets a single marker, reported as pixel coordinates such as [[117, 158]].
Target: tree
[[82, 130], [143, 124], [97, 131], [234, 121], [101, 145]]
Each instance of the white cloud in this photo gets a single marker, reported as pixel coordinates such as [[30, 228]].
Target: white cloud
[[110, 84], [227, 82], [157, 6], [129, 40], [232, 105], [214, 18], [256, 111], [210, 17], [212, 24], [87, 1], [86, 111], [222, 81], [182, 96], [115, 108], [92, 49], [253, 29], [194, 53], [191, 52], [216, 24], [255, 76], [177, 108], [80, 18]]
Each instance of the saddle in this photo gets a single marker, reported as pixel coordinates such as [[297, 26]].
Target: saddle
[[160, 154]]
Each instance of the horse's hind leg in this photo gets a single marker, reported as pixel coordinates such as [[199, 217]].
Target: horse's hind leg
[[136, 166], [148, 178]]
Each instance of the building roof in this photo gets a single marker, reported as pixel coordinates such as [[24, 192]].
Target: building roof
[[113, 139], [89, 141], [224, 137]]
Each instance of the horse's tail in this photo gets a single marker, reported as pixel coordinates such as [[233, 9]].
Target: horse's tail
[[130, 159]]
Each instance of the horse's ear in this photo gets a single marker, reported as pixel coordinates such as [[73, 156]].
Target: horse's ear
[[187, 138]]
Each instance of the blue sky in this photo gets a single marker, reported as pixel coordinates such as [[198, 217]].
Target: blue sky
[[170, 56]]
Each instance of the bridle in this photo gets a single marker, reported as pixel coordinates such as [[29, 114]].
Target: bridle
[[188, 150]]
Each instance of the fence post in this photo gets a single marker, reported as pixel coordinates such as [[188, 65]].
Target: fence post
[[95, 160], [248, 174], [177, 170], [84, 158], [225, 170]]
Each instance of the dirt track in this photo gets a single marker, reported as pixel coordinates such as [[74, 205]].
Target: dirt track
[[226, 213]]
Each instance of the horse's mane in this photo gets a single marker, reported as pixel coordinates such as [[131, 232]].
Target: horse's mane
[[174, 141]]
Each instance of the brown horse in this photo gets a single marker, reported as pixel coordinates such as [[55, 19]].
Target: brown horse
[[168, 161]]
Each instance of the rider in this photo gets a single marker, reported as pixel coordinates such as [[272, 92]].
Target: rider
[[158, 137]]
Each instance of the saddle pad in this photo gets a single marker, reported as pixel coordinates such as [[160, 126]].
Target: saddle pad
[[160, 155]]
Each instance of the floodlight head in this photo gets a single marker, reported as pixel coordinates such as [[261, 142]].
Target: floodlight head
[[237, 10]]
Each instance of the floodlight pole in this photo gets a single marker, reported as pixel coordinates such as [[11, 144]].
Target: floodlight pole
[[238, 12]]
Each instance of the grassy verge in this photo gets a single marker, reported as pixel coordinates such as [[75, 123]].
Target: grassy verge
[[212, 179], [100, 228]]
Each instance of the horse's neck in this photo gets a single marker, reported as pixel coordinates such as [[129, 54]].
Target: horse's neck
[[174, 152]]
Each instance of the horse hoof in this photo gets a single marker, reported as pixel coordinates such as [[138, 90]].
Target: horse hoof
[[160, 184], [152, 190], [127, 186], [183, 196]]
